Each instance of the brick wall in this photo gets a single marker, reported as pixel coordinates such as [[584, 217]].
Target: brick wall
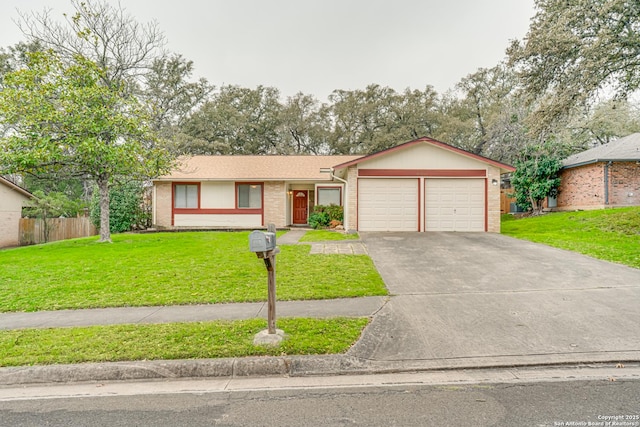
[[352, 198], [493, 200], [583, 187], [274, 203], [162, 205], [624, 184]]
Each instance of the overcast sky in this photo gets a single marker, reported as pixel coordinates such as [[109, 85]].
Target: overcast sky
[[318, 46]]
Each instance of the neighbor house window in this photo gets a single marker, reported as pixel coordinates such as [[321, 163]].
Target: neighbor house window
[[250, 196], [329, 196], [185, 196]]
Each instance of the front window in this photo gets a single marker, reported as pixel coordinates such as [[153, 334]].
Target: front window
[[329, 196], [250, 196], [186, 196]]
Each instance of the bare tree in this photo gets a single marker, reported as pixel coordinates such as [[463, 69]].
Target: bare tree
[[101, 32]]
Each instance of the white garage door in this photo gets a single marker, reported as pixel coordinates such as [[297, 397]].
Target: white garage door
[[388, 204], [454, 204]]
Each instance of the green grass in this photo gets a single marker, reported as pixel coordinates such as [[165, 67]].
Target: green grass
[[175, 341], [327, 235], [172, 268], [611, 234]]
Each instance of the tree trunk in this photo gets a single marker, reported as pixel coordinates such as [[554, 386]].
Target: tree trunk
[[536, 206], [103, 187]]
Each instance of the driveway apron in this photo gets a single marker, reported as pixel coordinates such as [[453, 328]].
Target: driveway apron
[[480, 299]]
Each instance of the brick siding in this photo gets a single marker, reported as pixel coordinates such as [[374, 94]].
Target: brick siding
[[352, 198], [274, 203], [624, 184], [163, 204], [582, 187], [493, 200]]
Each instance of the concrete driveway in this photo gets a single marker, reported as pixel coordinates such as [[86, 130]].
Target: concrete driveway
[[479, 299]]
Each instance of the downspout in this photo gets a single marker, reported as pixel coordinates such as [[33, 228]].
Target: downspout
[[346, 200], [606, 182]]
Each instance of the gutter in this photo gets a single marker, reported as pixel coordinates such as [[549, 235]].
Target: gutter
[[590, 162], [346, 193], [606, 181]]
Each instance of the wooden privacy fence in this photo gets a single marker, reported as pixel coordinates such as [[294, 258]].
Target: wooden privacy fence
[[505, 200], [32, 231]]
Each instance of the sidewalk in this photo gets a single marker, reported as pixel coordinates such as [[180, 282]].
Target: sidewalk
[[198, 368], [357, 307]]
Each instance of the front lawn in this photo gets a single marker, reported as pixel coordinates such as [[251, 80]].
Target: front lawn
[[610, 234], [172, 268]]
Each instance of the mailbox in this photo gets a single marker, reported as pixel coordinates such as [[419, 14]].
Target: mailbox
[[262, 241]]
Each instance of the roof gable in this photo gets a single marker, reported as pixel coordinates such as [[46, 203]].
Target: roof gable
[[622, 149], [434, 143]]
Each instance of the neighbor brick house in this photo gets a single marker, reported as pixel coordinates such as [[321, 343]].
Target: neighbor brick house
[[12, 199], [421, 185], [604, 176]]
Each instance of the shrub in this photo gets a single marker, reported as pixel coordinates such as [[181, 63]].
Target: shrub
[[322, 216], [319, 220], [336, 213], [126, 208]]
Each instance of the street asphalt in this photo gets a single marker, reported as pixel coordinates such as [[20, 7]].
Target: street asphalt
[[458, 301]]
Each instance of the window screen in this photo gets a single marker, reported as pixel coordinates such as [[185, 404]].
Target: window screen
[[329, 196], [186, 196], [250, 196]]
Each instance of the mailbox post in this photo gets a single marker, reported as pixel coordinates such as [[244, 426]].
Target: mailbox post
[[264, 245]]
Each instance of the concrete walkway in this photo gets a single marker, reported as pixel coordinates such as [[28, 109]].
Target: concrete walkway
[[291, 237], [357, 307], [342, 247]]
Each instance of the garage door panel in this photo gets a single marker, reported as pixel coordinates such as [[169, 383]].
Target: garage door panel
[[388, 204], [454, 205], [478, 211]]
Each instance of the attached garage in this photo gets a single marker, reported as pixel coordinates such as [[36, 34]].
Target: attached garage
[[388, 204], [454, 204], [423, 185]]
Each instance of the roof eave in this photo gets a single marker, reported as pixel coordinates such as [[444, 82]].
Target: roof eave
[[17, 188], [243, 179], [592, 161]]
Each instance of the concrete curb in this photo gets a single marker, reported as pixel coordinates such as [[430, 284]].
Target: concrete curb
[[169, 369], [295, 366]]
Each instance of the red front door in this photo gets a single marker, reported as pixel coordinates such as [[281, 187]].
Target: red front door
[[300, 206]]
